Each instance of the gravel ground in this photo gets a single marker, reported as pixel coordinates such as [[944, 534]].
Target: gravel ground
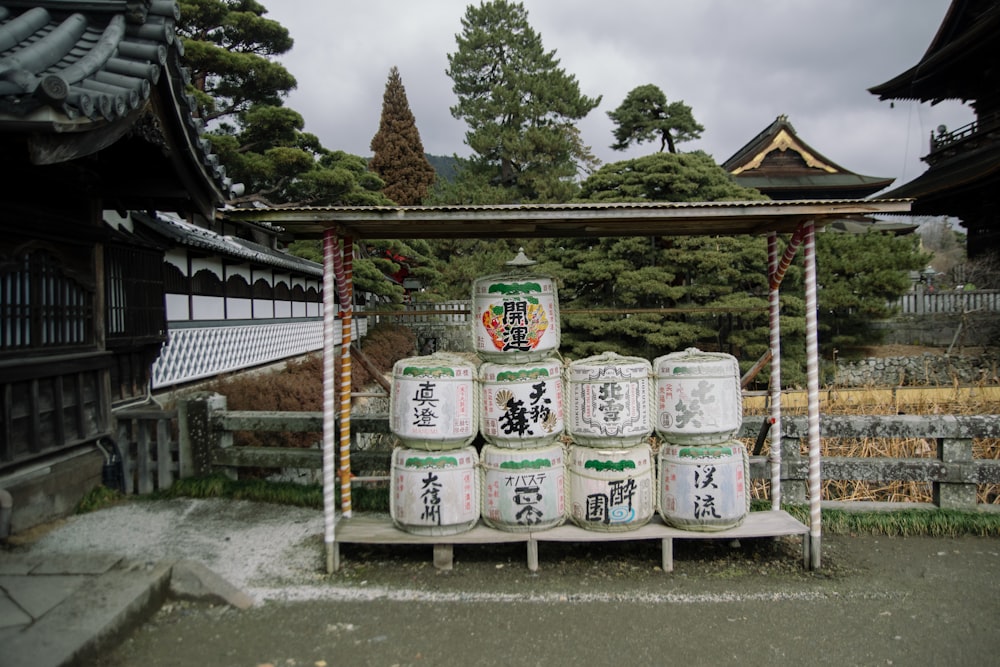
[[876, 600]]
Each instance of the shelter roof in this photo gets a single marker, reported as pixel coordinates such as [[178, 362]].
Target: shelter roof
[[783, 166], [956, 64], [100, 81], [565, 220]]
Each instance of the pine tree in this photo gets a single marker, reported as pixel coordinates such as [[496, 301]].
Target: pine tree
[[399, 157], [519, 104], [645, 115]]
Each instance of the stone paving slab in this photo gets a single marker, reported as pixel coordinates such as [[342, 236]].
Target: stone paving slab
[[98, 612], [11, 614], [77, 564], [37, 594], [18, 563]]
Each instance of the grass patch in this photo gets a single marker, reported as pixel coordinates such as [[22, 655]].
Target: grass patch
[[280, 493], [901, 523], [98, 498]]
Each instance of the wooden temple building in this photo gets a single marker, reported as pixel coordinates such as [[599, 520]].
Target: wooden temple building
[[112, 252], [780, 164], [963, 174]]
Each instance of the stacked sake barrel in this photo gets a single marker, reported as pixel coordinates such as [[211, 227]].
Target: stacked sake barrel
[[703, 476], [516, 335], [432, 406], [611, 476]]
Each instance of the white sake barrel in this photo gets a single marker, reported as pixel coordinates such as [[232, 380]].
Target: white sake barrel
[[434, 493], [609, 401], [611, 489], [697, 397], [433, 404], [522, 405], [704, 488], [515, 318], [523, 489]]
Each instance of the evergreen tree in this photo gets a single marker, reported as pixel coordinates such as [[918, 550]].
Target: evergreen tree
[[230, 48], [399, 157], [645, 115], [519, 104], [716, 286]]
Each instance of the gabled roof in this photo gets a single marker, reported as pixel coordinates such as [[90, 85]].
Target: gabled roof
[[99, 83], [958, 63], [180, 232], [783, 166]]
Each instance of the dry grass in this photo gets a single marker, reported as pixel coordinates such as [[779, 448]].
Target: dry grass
[[953, 400]]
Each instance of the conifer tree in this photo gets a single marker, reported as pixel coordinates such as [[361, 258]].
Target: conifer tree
[[399, 157], [520, 106]]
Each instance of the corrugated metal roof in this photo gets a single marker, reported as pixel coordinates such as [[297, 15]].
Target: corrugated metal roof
[[193, 236], [565, 220]]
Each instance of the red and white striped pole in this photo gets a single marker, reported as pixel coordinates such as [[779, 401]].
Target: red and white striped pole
[[774, 314], [331, 250], [812, 392]]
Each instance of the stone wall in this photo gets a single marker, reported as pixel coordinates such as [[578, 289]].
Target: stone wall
[[941, 330], [924, 370]]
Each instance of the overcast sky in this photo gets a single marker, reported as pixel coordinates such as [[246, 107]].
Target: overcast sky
[[737, 63]]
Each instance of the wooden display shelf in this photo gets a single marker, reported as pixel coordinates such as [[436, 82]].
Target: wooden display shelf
[[380, 530]]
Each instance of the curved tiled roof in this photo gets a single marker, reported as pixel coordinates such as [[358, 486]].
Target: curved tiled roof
[[72, 67], [193, 236]]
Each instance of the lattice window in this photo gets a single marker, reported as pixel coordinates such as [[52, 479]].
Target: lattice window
[[135, 302], [41, 307]]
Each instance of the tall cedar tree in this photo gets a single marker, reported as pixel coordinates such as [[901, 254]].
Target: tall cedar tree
[[399, 157], [520, 106]]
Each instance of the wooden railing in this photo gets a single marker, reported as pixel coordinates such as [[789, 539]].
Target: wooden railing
[[922, 302], [208, 427]]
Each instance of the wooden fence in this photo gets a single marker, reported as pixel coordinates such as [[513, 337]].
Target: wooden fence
[[207, 427], [948, 302]]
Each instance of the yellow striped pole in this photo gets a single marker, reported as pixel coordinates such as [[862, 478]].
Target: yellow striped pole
[[344, 269]]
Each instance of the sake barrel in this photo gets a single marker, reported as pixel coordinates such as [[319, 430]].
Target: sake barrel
[[515, 318], [522, 405], [434, 493], [698, 399], [610, 490], [432, 404], [608, 401], [704, 488], [523, 489]]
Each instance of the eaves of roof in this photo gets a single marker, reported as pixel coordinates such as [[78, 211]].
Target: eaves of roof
[[975, 169], [73, 69], [192, 236], [958, 39]]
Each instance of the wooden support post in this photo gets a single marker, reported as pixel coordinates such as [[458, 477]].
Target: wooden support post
[[444, 557], [955, 493], [793, 489], [667, 546], [533, 555], [197, 436]]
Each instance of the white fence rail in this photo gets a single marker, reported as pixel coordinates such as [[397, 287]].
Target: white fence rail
[[923, 302]]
